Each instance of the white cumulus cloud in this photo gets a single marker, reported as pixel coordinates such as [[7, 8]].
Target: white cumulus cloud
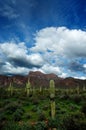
[[56, 50], [16, 58], [51, 69], [61, 47], [62, 41]]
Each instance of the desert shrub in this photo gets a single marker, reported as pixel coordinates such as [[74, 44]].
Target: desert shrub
[[1, 104], [34, 108], [3, 93], [6, 102], [28, 116], [17, 115], [83, 108], [76, 98], [11, 126], [57, 107], [20, 110], [12, 107], [62, 111], [26, 126], [49, 112], [45, 107], [72, 107], [35, 101], [39, 110], [52, 123], [74, 121], [84, 96], [42, 97], [41, 116], [3, 118], [40, 126], [64, 96], [15, 126]]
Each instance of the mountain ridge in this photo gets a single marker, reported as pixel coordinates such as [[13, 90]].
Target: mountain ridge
[[39, 79]]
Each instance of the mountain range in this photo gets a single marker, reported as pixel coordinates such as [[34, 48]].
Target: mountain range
[[39, 79]]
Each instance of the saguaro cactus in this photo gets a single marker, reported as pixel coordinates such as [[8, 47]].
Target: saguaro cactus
[[28, 87], [78, 90], [10, 89], [52, 98], [40, 89], [84, 88]]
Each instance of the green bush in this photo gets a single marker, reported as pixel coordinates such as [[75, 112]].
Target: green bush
[[52, 123], [28, 116], [15, 126], [41, 116], [34, 108], [64, 96], [35, 101], [45, 107], [3, 119], [41, 126], [83, 108], [3, 93], [26, 126], [12, 107], [17, 116], [74, 121], [76, 98], [11, 126]]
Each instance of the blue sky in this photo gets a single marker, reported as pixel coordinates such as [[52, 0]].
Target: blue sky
[[43, 35]]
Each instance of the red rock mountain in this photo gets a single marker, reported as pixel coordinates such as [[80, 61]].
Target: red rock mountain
[[38, 79]]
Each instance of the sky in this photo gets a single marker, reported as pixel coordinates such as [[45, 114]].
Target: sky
[[43, 35]]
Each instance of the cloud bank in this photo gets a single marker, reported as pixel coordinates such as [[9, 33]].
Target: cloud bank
[[15, 59], [62, 41], [56, 50]]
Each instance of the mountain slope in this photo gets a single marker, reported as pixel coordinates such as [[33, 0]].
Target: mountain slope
[[39, 79]]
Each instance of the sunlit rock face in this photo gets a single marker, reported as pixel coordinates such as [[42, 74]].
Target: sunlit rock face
[[39, 79]]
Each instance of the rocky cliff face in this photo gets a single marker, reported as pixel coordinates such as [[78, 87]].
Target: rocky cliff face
[[42, 80], [17, 81], [39, 79]]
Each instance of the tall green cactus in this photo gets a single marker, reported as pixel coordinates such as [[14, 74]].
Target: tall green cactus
[[40, 89], [78, 90], [33, 91], [28, 88], [52, 98], [84, 88], [10, 89]]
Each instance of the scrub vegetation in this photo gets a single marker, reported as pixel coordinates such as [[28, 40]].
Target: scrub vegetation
[[42, 109]]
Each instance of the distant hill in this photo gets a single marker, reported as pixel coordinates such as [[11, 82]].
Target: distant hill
[[39, 79]]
